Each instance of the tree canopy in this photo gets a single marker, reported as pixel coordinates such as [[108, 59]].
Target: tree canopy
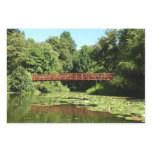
[[120, 51]]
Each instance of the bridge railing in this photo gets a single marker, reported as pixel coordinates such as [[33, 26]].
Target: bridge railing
[[73, 76]]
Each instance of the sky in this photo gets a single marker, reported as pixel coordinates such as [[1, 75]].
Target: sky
[[80, 36]]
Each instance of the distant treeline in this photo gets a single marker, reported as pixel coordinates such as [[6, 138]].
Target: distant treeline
[[120, 51]]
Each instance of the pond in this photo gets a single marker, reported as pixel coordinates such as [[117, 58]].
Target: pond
[[39, 109]]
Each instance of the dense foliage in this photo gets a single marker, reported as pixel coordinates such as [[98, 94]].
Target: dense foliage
[[20, 80], [120, 51], [123, 53]]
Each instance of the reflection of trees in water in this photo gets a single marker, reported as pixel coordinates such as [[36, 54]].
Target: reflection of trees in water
[[21, 110], [69, 109], [18, 106]]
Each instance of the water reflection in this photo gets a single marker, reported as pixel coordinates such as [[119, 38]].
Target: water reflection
[[30, 109], [70, 109]]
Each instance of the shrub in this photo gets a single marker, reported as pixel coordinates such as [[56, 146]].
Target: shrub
[[107, 89], [50, 86], [103, 89], [20, 80]]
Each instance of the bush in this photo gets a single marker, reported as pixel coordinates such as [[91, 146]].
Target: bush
[[107, 89], [103, 89], [50, 86], [20, 80]]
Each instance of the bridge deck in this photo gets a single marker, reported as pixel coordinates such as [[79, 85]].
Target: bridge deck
[[73, 76]]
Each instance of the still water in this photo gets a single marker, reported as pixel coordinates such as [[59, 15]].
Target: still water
[[32, 109]]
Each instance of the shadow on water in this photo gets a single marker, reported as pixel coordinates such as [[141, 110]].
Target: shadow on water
[[135, 99], [77, 98], [92, 105], [63, 102], [27, 110]]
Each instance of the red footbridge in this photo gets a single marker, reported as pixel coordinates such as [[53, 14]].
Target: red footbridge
[[73, 76]]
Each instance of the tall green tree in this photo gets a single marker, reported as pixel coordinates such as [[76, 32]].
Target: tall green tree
[[11, 31], [66, 60], [131, 67], [82, 60], [65, 46], [81, 64], [106, 52], [17, 51], [42, 59], [67, 41], [55, 42]]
